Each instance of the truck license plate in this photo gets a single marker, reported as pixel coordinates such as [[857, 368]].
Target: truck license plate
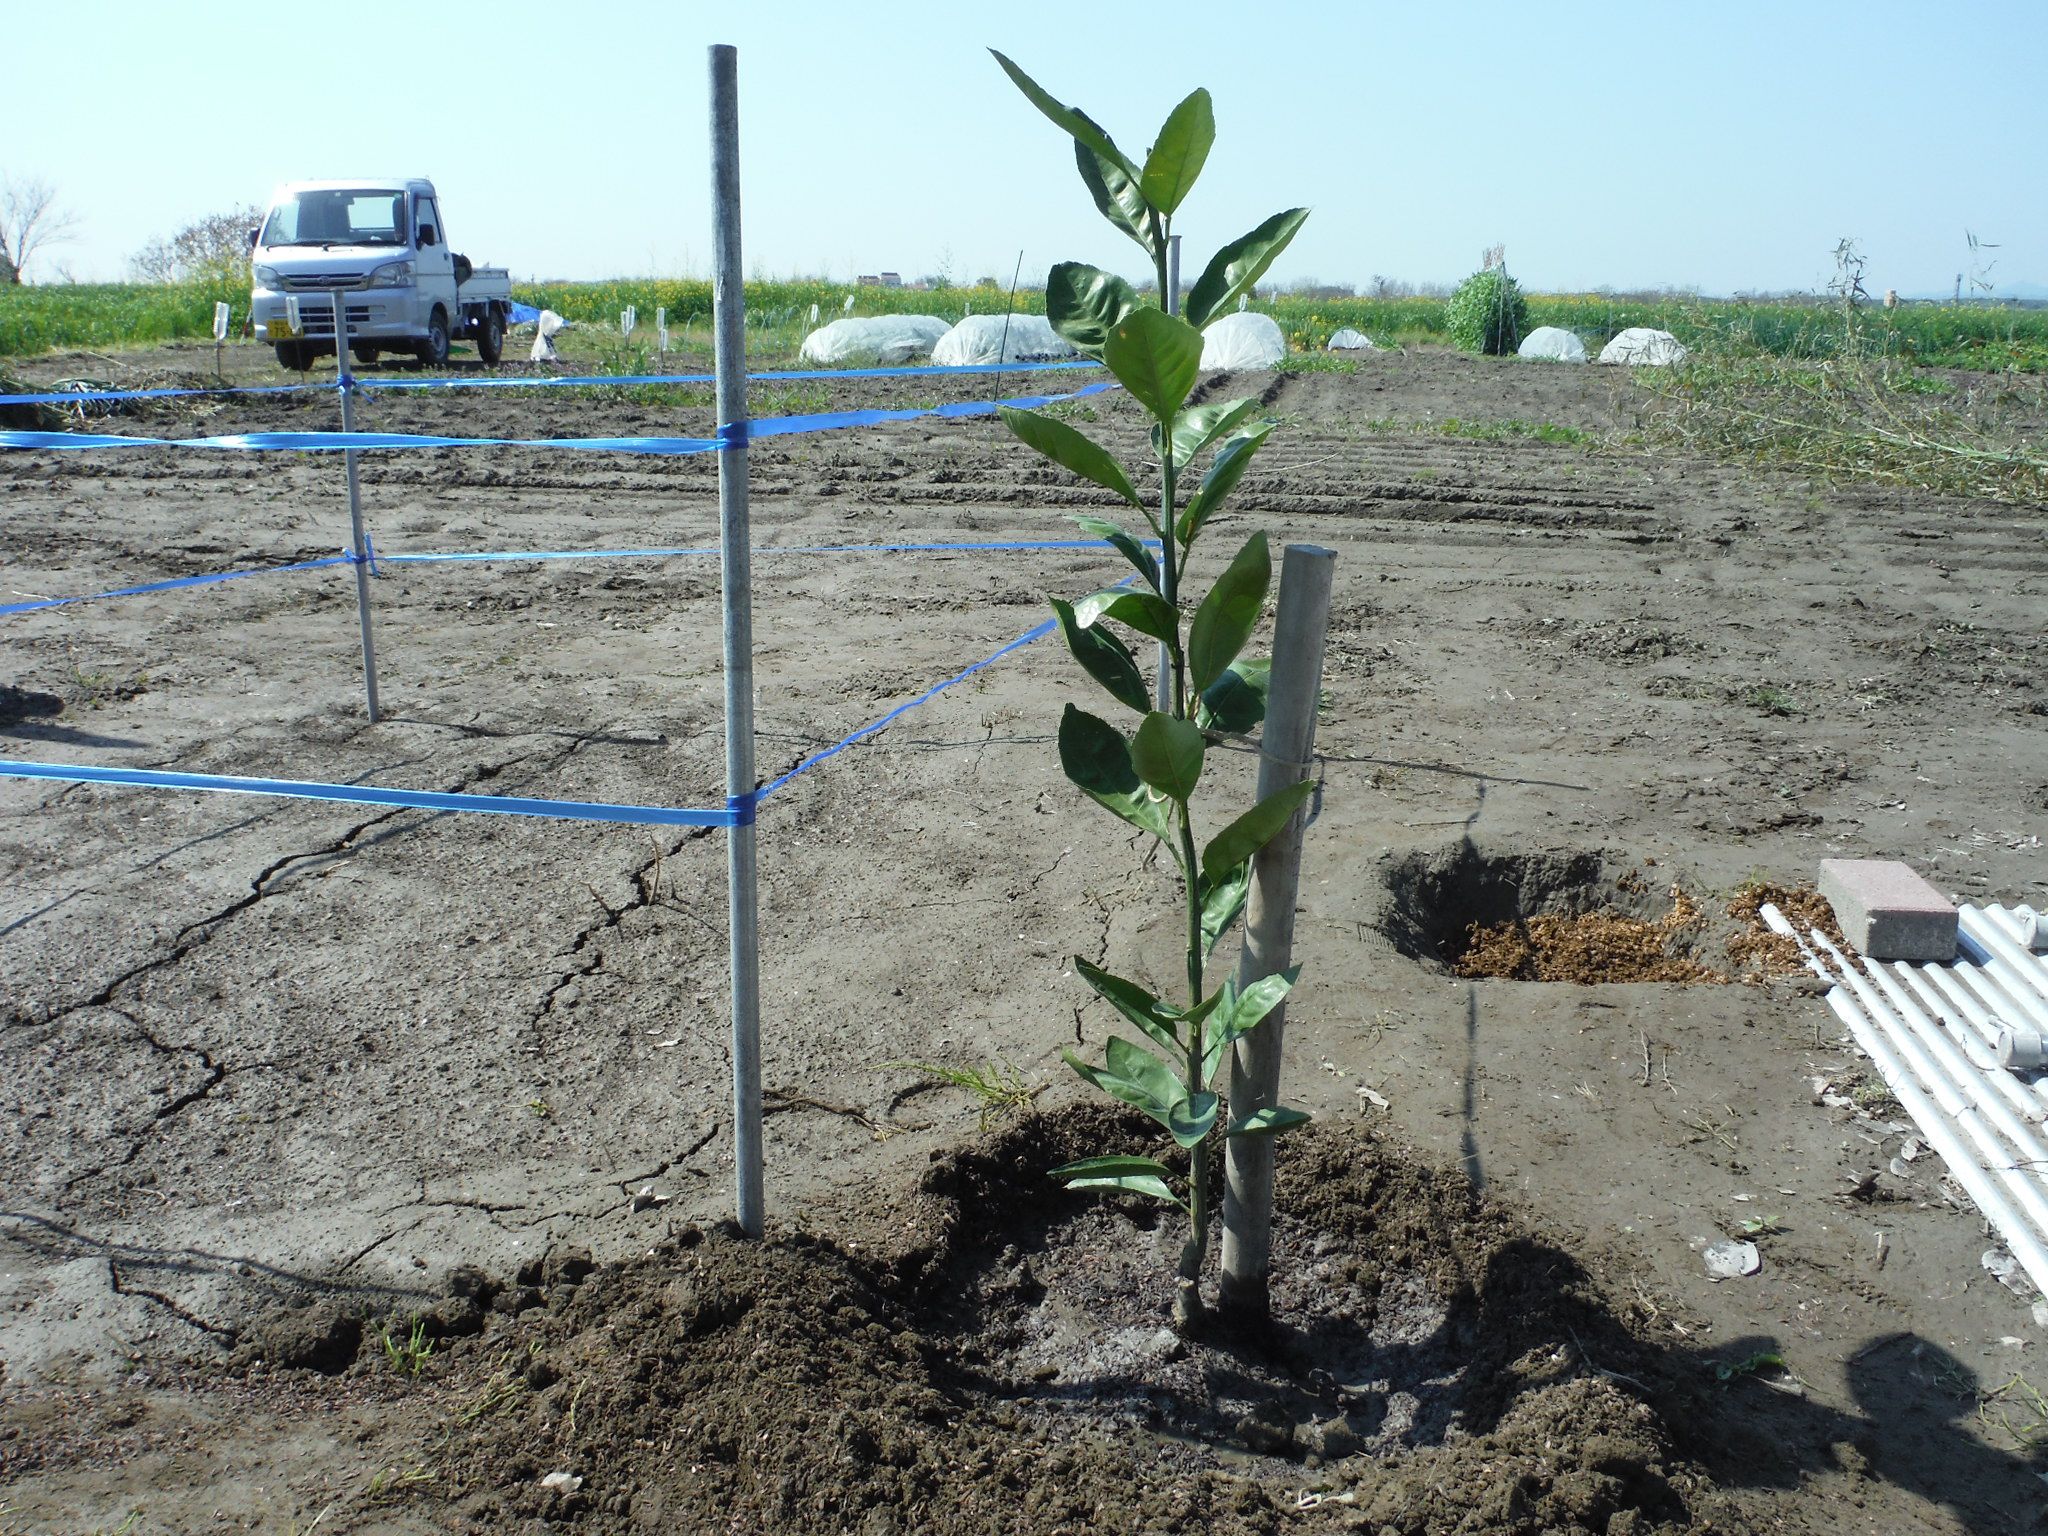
[[278, 330]]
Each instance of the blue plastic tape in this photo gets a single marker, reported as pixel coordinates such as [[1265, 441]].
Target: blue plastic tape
[[663, 553], [74, 396], [778, 376], [740, 813], [328, 442], [1037, 633], [580, 381], [182, 581]]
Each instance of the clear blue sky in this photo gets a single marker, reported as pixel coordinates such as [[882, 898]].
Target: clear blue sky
[[1725, 147]]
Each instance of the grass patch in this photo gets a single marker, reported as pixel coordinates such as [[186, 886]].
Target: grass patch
[[1509, 430], [1858, 418]]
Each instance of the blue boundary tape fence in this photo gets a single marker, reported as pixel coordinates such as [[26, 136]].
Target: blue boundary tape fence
[[539, 381], [739, 812], [507, 556], [352, 442]]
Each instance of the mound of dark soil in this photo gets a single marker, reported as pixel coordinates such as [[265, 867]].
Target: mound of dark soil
[[1004, 1367]]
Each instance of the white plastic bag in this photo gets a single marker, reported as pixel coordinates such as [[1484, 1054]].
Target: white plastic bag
[[545, 330]]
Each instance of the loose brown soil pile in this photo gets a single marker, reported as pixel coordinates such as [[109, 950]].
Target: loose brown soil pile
[[1429, 1369], [1590, 947]]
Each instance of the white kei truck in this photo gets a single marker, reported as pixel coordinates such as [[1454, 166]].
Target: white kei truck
[[383, 245]]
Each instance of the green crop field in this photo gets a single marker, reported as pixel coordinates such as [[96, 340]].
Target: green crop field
[[107, 315]]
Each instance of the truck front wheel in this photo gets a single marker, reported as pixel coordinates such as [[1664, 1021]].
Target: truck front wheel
[[294, 355], [433, 352], [490, 335]]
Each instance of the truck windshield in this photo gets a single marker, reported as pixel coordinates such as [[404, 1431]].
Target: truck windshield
[[338, 216]]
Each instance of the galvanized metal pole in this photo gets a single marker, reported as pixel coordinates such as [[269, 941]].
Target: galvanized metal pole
[[359, 543], [1300, 626], [729, 307]]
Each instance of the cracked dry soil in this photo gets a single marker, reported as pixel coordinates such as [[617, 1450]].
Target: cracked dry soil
[[277, 1077]]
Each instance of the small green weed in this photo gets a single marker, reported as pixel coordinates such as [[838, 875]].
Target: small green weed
[[410, 1357], [998, 1085], [2019, 1411], [1770, 699], [541, 1109], [1762, 1363]]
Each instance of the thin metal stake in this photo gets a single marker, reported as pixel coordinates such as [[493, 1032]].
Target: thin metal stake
[[729, 304], [360, 543], [1299, 628]]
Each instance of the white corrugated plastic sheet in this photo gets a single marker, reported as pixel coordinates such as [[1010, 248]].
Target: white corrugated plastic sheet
[[1933, 1033], [983, 339], [1246, 339], [873, 340]]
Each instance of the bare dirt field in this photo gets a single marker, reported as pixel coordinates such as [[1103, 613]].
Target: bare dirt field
[[324, 1130]]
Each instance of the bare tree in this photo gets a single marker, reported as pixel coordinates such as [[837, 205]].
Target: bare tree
[[215, 247], [29, 220]]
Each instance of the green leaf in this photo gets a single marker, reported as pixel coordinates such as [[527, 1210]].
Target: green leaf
[[1100, 1167], [1229, 614], [1221, 479], [1084, 303], [1146, 1074], [1096, 758], [1133, 1184], [1267, 1122], [1193, 1118], [1175, 159], [1236, 701], [1156, 358], [1241, 1012], [1074, 122], [1070, 449], [1117, 197], [1167, 752], [1159, 1020], [1143, 611], [1107, 659], [1254, 829], [1197, 428], [1223, 898], [1233, 270], [1125, 544]]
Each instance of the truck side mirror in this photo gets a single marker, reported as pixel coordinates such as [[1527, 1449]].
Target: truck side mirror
[[428, 237], [252, 238]]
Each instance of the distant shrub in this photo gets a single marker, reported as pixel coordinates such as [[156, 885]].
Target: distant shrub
[[1487, 313]]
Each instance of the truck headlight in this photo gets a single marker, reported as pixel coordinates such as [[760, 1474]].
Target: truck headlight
[[393, 274], [266, 277]]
